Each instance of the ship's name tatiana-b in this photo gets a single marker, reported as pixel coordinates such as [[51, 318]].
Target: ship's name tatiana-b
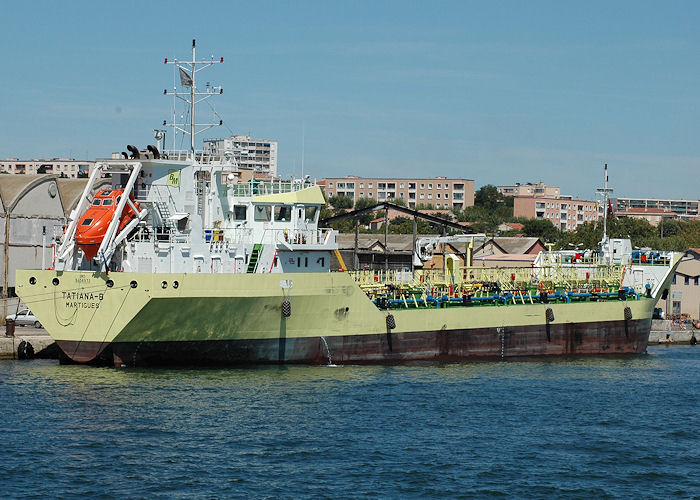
[[82, 300]]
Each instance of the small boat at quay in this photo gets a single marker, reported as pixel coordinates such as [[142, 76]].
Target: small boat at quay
[[180, 262]]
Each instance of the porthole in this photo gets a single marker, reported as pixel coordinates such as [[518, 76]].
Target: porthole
[[55, 281], [175, 284], [164, 285], [133, 284], [110, 283], [32, 280]]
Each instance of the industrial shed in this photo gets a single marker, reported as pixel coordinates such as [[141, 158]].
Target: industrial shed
[[34, 208]]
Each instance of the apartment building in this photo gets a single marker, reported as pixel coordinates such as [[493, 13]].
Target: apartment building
[[65, 167], [684, 296], [259, 155], [685, 209], [565, 212], [440, 192], [653, 216], [530, 189]]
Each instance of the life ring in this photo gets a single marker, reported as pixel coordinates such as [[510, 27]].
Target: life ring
[[540, 285]]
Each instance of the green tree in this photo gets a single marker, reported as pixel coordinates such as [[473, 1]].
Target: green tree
[[397, 201], [366, 203], [340, 202], [404, 225], [669, 228], [542, 229]]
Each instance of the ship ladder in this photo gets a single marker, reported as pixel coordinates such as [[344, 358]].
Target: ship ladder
[[253, 262]]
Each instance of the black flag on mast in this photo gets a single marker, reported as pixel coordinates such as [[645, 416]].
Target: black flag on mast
[[185, 79]]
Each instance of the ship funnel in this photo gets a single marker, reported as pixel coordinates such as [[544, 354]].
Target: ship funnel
[[154, 151], [134, 152]]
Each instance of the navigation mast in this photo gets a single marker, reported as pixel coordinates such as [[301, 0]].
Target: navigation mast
[[605, 191], [188, 76]]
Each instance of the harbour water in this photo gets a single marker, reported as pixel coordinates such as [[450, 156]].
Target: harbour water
[[574, 428]]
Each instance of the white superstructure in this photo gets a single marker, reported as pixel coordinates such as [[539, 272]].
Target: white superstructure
[[191, 214]]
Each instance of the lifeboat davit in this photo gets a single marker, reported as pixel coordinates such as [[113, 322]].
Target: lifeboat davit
[[95, 221]]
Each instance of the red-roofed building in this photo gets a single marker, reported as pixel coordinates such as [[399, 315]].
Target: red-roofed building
[[652, 215]]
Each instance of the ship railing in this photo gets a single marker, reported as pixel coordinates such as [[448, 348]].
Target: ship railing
[[296, 236], [517, 278], [381, 277], [284, 236], [550, 278], [200, 157], [159, 234], [237, 236], [596, 258], [262, 188]]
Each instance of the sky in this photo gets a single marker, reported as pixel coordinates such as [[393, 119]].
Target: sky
[[495, 91]]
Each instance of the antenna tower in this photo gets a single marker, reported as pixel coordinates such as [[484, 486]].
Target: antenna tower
[[188, 82]]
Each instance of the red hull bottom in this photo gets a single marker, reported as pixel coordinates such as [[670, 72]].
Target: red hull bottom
[[594, 338]]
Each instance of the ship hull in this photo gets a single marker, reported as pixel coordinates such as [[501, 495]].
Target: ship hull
[[131, 319], [592, 338]]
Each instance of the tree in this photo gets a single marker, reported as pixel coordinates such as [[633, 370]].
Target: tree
[[397, 201], [365, 203], [340, 202], [542, 229], [670, 227], [365, 219], [404, 225]]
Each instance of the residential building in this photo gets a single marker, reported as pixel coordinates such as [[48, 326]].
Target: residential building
[[440, 192], [652, 215], [64, 167], [684, 294], [685, 209], [564, 212], [372, 253], [259, 155], [507, 252], [530, 189]]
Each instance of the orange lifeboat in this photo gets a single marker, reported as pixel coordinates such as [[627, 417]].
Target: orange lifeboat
[[95, 221]]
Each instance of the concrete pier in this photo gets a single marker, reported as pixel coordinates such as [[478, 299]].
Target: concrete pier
[[41, 343], [661, 328]]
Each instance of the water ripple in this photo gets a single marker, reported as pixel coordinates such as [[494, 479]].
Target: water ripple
[[574, 428]]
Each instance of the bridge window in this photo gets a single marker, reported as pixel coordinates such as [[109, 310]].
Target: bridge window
[[262, 213], [310, 215], [96, 202], [240, 212], [283, 213], [107, 202]]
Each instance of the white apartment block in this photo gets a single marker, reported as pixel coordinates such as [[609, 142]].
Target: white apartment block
[[685, 209], [259, 155], [65, 167], [440, 192], [530, 189]]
